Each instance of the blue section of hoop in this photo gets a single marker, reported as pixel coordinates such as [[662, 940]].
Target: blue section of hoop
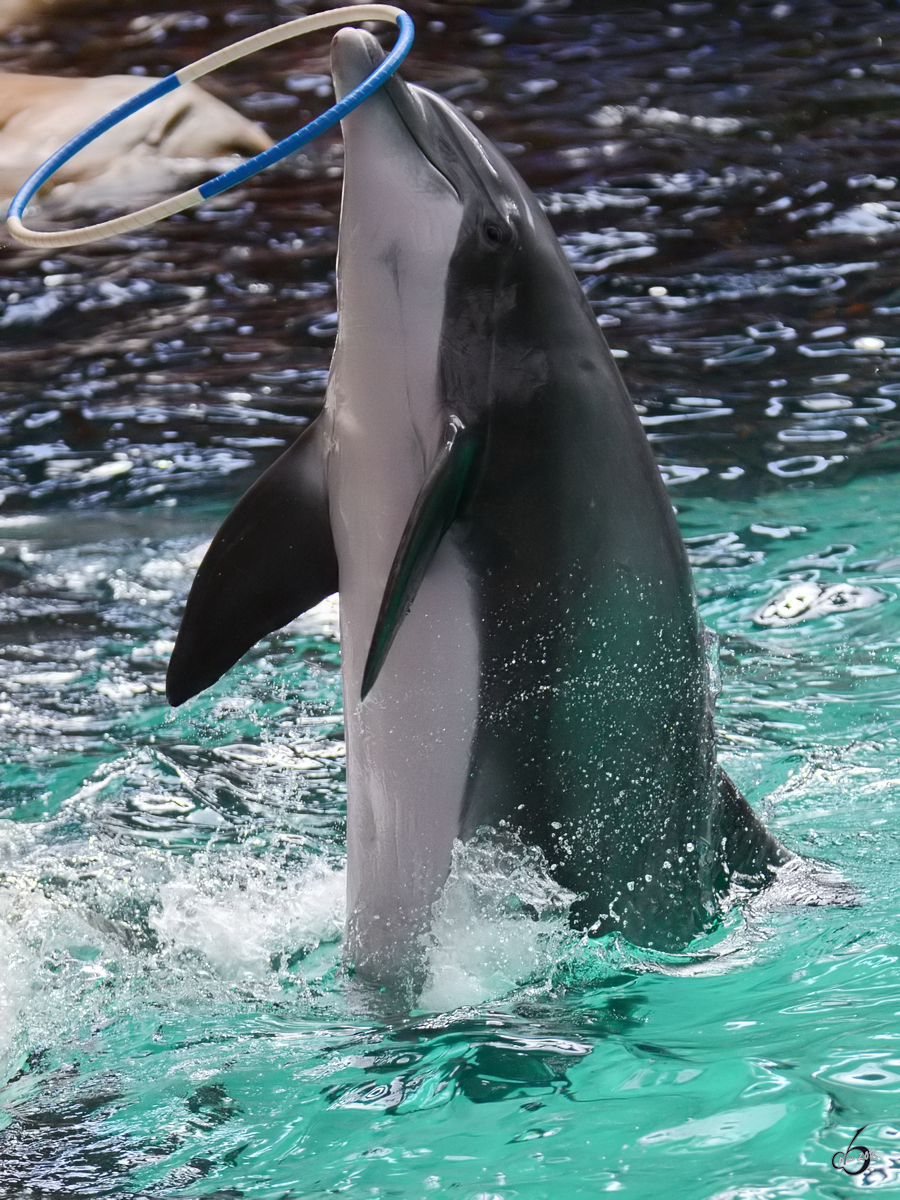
[[228, 179]]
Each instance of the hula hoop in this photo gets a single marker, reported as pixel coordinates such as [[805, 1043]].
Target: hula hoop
[[228, 179]]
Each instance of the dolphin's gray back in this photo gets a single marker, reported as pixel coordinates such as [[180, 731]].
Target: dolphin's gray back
[[594, 693], [594, 735]]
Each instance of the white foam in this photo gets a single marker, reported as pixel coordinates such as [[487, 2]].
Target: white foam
[[35, 1004], [227, 916], [500, 921], [239, 920], [16, 970], [18, 962]]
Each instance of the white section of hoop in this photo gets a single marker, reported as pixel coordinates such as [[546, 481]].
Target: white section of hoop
[[282, 33], [57, 238]]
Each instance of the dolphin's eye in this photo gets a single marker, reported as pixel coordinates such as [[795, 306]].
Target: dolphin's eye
[[495, 234]]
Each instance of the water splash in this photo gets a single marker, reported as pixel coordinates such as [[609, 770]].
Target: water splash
[[500, 922], [244, 918]]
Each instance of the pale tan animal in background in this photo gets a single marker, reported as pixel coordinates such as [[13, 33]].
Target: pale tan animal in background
[[167, 145], [20, 12]]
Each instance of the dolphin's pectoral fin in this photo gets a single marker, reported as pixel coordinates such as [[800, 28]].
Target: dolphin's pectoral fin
[[778, 877], [271, 560], [749, 850], [433, 512]]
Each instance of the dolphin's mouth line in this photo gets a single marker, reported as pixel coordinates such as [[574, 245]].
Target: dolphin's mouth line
[[390, 88]]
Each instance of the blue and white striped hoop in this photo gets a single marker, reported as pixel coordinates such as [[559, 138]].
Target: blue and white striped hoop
[[55, 239]]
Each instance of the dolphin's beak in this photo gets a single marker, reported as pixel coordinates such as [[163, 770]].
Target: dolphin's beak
[[354, 55], [395, 119]]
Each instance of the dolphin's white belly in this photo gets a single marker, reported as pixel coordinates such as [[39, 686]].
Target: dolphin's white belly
[[408, 761], [409, 742]]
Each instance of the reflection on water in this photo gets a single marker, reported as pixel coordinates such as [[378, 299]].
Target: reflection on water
[[175, 1017]]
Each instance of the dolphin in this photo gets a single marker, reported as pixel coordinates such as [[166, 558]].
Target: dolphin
[[521, 646]]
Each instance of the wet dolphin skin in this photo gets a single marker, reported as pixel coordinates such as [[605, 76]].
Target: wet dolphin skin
[[521, 648]]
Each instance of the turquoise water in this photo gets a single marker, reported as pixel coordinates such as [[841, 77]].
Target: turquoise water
[[175, 1016], [173, 1010]]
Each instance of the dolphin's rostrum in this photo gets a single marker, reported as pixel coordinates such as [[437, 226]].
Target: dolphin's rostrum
[[520, 640]]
